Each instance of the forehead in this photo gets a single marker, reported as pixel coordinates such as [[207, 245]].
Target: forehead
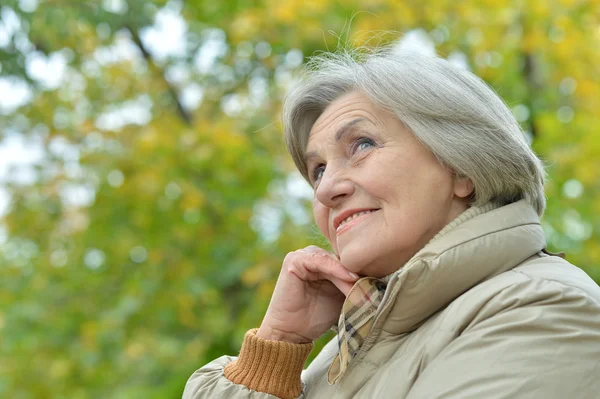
[[350, 107]]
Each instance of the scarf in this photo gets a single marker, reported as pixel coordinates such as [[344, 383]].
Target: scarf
[[356, 320], [363, 300]]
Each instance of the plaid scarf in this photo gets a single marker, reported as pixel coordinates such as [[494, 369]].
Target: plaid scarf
[[356, 320]]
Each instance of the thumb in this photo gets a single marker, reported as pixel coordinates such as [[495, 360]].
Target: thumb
[[342, 285]]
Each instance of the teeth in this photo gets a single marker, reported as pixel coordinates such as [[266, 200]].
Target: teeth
[[353, 216]]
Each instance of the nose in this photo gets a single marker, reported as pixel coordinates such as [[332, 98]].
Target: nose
[[334, 188]]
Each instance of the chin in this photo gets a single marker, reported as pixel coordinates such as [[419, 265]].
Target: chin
[[361, 265], [368, 265]]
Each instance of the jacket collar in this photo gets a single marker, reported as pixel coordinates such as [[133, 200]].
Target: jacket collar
[[457, 259]]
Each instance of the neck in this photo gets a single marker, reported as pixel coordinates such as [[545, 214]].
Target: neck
[[469, 213]]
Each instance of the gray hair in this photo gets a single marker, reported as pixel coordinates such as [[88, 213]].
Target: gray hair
[[451, 111]]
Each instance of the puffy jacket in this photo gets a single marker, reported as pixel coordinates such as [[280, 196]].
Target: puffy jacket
[[480, 312]]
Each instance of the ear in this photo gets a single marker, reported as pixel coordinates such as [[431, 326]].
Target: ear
[[463, 187]]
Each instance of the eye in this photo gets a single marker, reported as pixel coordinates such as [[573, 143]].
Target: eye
[[317, 172], [362, 143]]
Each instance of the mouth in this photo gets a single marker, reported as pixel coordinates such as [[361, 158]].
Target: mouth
[[343, 220]]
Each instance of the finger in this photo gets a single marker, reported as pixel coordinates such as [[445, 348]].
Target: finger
[[318, 250], [342, 285], [313, 249], [326, 266]]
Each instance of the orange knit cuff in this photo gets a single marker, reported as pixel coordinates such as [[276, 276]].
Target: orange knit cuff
[[273, 367]]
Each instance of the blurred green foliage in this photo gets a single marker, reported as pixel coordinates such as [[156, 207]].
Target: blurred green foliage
[[146, 237]]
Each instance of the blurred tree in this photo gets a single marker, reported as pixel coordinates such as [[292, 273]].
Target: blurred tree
[[146, 237]]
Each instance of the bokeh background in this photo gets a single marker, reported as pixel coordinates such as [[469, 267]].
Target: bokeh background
[[147, 199]]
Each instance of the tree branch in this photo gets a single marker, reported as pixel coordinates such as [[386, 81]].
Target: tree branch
[[182, 112], [529, 68]]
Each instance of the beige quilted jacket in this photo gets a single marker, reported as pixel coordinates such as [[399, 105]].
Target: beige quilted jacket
[[480, 312]]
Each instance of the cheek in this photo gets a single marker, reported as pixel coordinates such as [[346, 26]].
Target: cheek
[[419, 178], [321, 215]]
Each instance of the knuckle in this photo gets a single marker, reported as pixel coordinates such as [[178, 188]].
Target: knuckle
[[292, 269], [313, 249], [295, 258], [290, 258]]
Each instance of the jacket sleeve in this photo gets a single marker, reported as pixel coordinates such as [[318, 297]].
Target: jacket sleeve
[[542, 341], [264, 369]]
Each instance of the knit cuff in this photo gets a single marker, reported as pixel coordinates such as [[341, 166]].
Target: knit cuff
[[273, 367]]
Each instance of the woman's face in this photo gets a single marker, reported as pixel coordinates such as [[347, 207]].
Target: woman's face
[[380, 195]]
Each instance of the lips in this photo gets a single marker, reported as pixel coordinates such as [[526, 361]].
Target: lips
[[349, 215]]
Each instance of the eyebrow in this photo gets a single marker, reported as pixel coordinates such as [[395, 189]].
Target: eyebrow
[[341, 132]]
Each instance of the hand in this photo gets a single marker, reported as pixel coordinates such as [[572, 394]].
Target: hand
[[308, 296]]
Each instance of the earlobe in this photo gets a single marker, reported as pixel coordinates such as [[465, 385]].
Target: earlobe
[[463, 187]]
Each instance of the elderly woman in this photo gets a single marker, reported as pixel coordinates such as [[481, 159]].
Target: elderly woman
[[439, 282]]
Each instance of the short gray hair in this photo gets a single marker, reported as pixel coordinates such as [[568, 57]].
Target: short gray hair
[[458, 117]]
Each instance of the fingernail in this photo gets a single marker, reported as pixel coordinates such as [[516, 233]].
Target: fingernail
[[353, 275]]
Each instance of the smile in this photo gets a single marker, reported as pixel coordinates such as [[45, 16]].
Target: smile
[[346, 223]]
